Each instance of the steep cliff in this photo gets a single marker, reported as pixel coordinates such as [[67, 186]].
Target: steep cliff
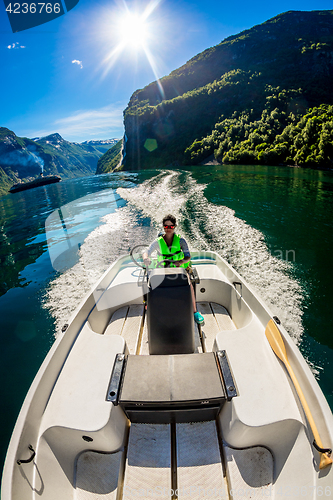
[[292, 52]]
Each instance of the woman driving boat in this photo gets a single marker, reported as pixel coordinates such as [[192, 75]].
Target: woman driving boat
[[172, 247]]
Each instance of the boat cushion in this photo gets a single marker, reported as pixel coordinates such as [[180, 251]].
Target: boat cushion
[[168, 277], [170, 313], [165, 388]]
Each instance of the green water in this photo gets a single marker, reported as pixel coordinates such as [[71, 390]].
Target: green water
[[293, 208], [273, 224]]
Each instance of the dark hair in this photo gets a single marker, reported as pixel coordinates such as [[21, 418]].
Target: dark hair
[[171, 218]]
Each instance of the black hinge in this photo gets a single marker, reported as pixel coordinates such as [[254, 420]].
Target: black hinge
[[228, 380], [114, 386]]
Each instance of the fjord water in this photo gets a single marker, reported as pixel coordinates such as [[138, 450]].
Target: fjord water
[[273, 224]]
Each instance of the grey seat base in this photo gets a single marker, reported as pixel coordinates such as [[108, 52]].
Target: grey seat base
[[170, 388]]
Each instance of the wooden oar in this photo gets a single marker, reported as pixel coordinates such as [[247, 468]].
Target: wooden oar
[[276, 342]]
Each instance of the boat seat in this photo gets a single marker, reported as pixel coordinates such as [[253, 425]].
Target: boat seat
[[170, 312], [77, 407], [262, 387], [171, 388]]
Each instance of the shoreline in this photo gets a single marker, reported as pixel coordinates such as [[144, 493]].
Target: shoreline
[[211, 161]]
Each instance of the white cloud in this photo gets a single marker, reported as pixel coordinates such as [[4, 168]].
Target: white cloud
[[92, 122], [101, 123], [79, 63], [15, 45]]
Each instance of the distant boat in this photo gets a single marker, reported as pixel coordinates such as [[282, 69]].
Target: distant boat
[[39, 181]]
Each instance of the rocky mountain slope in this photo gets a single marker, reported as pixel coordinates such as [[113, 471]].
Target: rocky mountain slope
[[23, 159]]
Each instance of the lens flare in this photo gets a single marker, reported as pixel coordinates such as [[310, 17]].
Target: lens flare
[[129, 33]]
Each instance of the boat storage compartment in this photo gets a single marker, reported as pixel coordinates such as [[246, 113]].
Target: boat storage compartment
[[170, 312], [171, 388]]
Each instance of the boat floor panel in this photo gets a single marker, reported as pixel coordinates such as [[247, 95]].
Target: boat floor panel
[[250, 472], [132, 327], [222, 317], [129, 322], [199, 467], [144, 347], [148, 463], [97, 476], [210, 328], [117, 322]]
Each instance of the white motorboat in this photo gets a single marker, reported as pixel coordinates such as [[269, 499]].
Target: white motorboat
[[136, 401]]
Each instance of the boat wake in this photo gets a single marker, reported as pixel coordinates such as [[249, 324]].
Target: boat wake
[[210, 227], [205, 226]]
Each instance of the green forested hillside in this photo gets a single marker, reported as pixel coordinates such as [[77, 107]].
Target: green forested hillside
[[278, 137], [256, 97], [110, 160]]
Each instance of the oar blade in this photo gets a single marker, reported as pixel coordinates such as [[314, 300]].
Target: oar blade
[[325, 461], [276, 342]]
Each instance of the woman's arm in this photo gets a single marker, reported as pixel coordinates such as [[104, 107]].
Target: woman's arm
[[146, 254]]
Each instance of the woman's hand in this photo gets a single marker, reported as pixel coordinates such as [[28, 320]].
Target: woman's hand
[[178, 263]]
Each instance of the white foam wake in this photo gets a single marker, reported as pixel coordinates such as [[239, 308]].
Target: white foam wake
[[211, 227], [205, 226], [117, 233]]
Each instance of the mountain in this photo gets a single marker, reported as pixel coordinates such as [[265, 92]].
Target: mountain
[[20, 158], [23, 159], [70, 159], [100, 145], [110, 160], [247, 90]]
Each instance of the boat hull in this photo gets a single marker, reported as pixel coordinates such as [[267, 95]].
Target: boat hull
[[41, 181], [69, 422]]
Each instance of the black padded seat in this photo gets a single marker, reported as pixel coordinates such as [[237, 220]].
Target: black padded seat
[[175, 388], [170, 312]]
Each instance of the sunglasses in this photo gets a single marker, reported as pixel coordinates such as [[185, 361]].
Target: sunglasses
[[169, 227]]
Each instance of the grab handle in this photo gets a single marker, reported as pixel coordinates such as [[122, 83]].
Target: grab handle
[[238, 283], [28, 460]]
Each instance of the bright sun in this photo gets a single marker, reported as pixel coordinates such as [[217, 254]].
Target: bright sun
[[133, 30], [130, 33]]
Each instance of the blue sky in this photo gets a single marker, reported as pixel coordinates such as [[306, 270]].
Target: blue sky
[[76, 74]]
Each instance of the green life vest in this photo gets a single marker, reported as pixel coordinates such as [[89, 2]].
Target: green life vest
[[174, 253]]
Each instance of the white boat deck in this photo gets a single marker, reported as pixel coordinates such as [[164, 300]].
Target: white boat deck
[[129, 322], [163, 458], [86, 449]]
